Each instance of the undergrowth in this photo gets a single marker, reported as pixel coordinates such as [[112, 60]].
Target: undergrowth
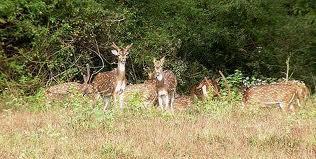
[[76, 127]]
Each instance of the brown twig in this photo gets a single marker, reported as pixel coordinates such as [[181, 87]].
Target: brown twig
[[226, 84]]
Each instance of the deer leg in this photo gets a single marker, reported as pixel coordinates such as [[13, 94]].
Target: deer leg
[[166, 102], [160, 102], [95, 99], [121, 100], [114, 100], [298, 102], [290, 104], [172, 100], [106, 102]]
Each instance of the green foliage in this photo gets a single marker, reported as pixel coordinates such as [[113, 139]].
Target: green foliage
[[51, 41]]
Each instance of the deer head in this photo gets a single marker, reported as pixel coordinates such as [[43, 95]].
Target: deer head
[[158, 68], [122, 54], [207, 85]]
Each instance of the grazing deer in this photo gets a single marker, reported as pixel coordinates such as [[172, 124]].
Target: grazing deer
[[59, 91], [271, 94], [201, 90], [113, 83], [166, 83], [302, 90]]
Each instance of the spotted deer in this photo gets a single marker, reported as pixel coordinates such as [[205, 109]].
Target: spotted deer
[[302, 90], [166, 83], [201, 90], [112, 83], [60, 91], [283, 95], [182, 102]]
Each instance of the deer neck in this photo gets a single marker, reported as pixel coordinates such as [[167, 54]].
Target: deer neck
[[120, 71], [160, 80]]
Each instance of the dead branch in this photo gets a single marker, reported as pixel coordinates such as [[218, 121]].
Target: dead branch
[[287, 69], [226, 84]]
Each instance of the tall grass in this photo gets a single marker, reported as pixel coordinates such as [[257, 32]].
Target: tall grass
[[216, 128]]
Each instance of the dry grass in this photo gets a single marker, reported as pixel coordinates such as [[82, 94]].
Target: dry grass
[[73, 133]]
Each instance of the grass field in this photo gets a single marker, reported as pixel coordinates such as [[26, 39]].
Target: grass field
[[218, 129]]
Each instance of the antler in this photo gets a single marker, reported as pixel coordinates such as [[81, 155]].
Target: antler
[[115, 47], [128, 47]]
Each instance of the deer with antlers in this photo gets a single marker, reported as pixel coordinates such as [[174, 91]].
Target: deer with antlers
[[201, 90], [283, 95], [166, 83], [112, 83]]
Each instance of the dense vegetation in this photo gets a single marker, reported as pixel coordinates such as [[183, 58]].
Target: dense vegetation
[[44, 42], [49, 41]]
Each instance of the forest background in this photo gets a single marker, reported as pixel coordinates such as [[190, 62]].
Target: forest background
[[44, 42]]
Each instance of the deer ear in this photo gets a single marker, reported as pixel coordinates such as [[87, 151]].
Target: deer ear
[[114, 52], [129, 46]]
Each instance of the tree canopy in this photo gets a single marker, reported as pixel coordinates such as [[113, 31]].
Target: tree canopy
[[47, 41]]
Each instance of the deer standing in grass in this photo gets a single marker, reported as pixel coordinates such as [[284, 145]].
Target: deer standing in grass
[[282, 95], [166, 83], [112, 83], [201, 90]]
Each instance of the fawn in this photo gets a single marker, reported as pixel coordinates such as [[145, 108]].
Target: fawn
[[113, 83], [200, 90], [166, 83], [271, 94]]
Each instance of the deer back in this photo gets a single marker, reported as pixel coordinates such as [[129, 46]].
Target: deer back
[[182, 102], [169, 82], [60, 91], [269, 93], [105, 82]]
